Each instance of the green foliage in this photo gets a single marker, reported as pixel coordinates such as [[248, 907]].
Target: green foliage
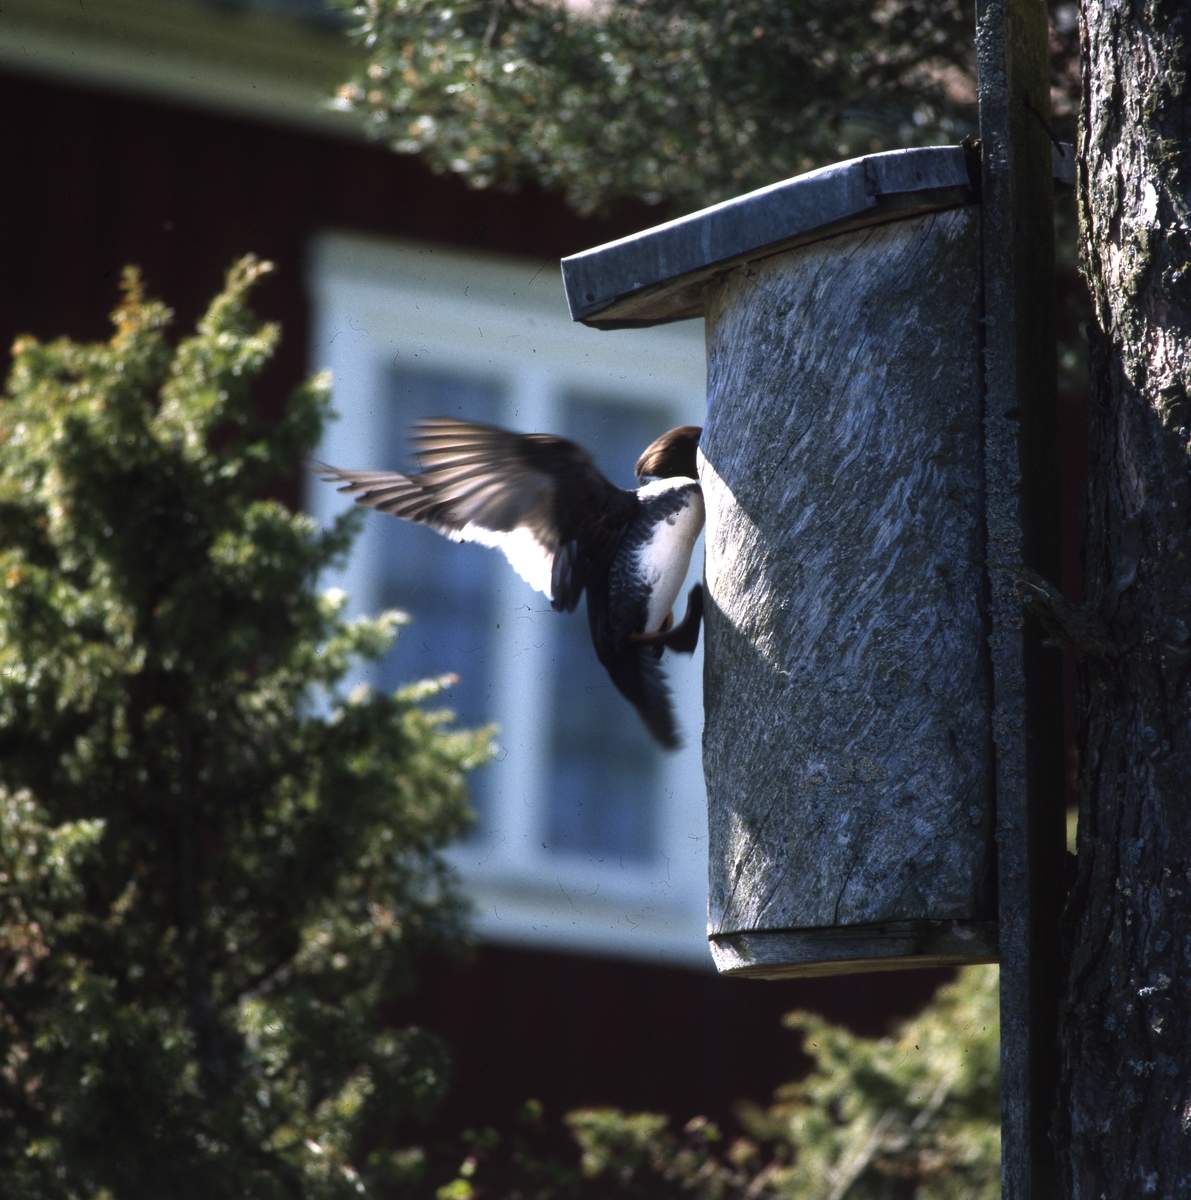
[[209, 881], [679, 101], [676, 102], [917, 1114], [911, 1117]]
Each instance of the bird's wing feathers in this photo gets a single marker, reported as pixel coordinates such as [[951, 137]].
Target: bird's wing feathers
[[540, 499]]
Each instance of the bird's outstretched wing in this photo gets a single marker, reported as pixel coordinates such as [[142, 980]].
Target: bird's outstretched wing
[[538, 498]]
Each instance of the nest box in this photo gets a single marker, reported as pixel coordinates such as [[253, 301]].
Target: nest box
[[848, 741]]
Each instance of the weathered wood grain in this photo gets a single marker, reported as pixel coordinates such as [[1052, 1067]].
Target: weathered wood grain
[[1021, 483], [854, 949], [847, 745]]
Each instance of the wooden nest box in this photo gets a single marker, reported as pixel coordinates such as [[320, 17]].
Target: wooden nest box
[[848, 685]]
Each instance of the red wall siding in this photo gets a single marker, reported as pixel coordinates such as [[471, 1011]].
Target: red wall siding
[[93, 181], [572, 1031]]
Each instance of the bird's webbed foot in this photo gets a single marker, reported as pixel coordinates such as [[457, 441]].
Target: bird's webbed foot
[[683, 637]]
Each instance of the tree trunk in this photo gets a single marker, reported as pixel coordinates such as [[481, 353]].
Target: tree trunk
[[1124, 1124]]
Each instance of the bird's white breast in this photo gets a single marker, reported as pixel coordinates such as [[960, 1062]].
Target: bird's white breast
[[663, 559]]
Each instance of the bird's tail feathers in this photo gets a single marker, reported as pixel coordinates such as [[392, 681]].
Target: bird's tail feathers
[[639, 678]]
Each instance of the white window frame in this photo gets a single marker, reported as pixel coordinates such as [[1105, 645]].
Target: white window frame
[[379, 303]]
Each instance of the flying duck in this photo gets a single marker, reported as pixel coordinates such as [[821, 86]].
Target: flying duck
[[566, 529]]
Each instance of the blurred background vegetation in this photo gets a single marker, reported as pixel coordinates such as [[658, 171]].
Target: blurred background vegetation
[[916, 1114], [679, 103], [214, 867]]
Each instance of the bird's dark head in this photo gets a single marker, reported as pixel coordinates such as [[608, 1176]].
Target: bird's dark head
[[671, 456]]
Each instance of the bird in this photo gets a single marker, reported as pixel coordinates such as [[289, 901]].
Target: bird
[[566, 530]]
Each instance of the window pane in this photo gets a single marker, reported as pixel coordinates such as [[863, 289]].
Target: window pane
[[604, 768], [445, 586]]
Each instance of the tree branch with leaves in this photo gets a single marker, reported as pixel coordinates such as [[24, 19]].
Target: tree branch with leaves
[[215, 867]]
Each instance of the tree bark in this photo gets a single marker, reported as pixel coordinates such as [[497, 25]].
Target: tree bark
[[1124, 1116]]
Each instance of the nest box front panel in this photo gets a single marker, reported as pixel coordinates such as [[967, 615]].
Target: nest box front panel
[[847, 746]]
